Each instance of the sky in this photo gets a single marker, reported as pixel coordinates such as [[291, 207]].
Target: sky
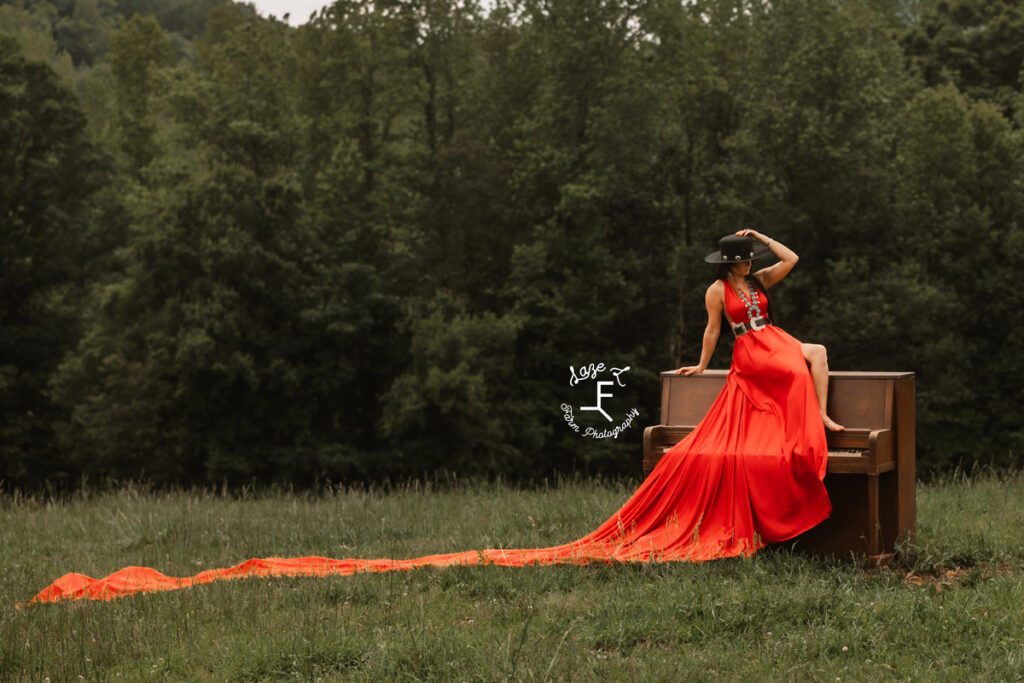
[[299, 9]]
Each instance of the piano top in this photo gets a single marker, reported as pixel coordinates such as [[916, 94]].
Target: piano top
[[857, 374]]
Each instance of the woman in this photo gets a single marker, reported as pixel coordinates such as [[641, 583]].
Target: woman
[[749, 474], [748, 297]]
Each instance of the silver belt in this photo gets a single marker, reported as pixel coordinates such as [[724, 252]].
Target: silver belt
[[740, 329]]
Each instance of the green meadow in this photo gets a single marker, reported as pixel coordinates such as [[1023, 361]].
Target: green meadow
[[950, 608]]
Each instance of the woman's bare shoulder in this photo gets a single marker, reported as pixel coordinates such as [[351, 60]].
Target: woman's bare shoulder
[[716, 292]]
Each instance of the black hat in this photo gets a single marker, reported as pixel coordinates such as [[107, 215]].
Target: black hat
[[737, 249]]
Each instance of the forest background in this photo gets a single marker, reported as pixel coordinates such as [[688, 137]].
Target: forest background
[[370, 248]]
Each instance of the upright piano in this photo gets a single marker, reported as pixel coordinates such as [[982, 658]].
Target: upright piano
[[871, 465]]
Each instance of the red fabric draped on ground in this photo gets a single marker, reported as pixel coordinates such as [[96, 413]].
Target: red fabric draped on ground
[[749, 474]]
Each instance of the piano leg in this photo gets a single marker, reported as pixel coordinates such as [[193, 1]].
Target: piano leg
[[874, 523]]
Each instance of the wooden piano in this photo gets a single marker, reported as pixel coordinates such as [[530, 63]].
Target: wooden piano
[[871, 466]]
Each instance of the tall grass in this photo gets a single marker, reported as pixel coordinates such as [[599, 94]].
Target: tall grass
[[778, 615]]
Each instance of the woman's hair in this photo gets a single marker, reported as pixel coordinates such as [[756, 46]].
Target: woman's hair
[[722, 273]]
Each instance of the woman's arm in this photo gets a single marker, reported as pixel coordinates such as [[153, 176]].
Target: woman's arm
[[787, 259], [714, 300]]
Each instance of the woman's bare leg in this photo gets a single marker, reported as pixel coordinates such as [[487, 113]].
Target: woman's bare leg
[[817, 359]]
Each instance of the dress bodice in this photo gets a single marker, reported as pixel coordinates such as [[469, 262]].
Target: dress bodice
[[736, 309]]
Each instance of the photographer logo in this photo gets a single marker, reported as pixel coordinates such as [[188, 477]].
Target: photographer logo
[[599, 397]]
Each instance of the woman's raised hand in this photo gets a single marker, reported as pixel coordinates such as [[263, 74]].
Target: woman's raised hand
[[752, 233], [690, 370]]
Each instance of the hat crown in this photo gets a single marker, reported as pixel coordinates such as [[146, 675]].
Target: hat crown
[[736, 248]]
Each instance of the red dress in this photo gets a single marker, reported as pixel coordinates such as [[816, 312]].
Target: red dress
[[749, 474]]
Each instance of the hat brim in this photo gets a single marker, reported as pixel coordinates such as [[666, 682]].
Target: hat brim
[[760, 250]]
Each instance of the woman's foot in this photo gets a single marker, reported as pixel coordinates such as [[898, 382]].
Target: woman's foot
[[831, 424]]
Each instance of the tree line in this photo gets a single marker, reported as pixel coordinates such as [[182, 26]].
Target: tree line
[[372, 246]]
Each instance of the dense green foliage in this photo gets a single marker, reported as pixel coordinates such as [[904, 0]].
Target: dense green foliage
[[949, 610], [372, 246]]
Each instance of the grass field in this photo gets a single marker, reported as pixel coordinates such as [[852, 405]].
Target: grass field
[[779, 615]]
